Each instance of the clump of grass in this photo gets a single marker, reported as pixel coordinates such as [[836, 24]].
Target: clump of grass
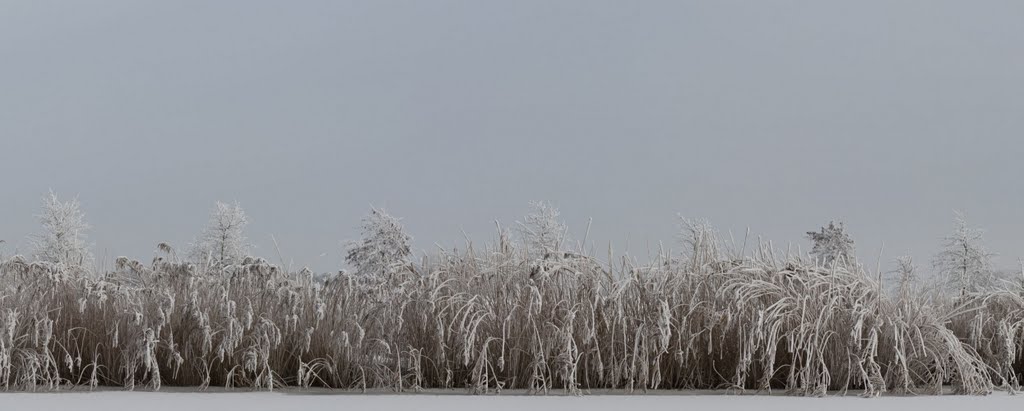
[[501, 317]]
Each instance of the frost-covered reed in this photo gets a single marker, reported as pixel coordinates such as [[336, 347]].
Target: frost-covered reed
[[501, 317]]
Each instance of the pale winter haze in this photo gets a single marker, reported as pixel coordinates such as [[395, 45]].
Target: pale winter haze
[[779, 115]]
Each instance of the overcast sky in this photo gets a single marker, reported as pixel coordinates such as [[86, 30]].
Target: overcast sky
[[772, 115]]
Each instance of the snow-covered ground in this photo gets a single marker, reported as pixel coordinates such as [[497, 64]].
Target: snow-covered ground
[[457, 401]]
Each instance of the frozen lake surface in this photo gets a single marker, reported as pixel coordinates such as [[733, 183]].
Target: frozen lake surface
[[309, 400]]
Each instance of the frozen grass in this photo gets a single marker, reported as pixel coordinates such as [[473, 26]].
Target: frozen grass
[[492, 319]]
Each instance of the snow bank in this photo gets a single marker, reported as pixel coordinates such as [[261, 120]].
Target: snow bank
[[335, 400]]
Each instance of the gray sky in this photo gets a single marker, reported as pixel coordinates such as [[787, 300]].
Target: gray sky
[[777, 115]]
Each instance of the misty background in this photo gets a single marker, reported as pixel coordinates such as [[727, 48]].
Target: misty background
[[773, 115]]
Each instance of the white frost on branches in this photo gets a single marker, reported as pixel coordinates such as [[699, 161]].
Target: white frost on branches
[[542, 230], [62, 239], [906, 275], [700, 241], [832, 244], [383, 249], [964, 263], [223, 242]]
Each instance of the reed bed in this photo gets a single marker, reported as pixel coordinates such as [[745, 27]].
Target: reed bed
[[498, 318]]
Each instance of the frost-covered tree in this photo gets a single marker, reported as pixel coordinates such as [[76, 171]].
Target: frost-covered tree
[[1020, 276], [906, 276], [383, 249], [63, 238], [542, 230], [222, 242], [832, 244], [700, 241], [964, 264]]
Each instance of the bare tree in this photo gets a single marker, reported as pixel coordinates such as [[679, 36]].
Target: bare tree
[[832, 244], [964, 263], [383, 249], [63, 238], [542, 230], [223, 242]]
